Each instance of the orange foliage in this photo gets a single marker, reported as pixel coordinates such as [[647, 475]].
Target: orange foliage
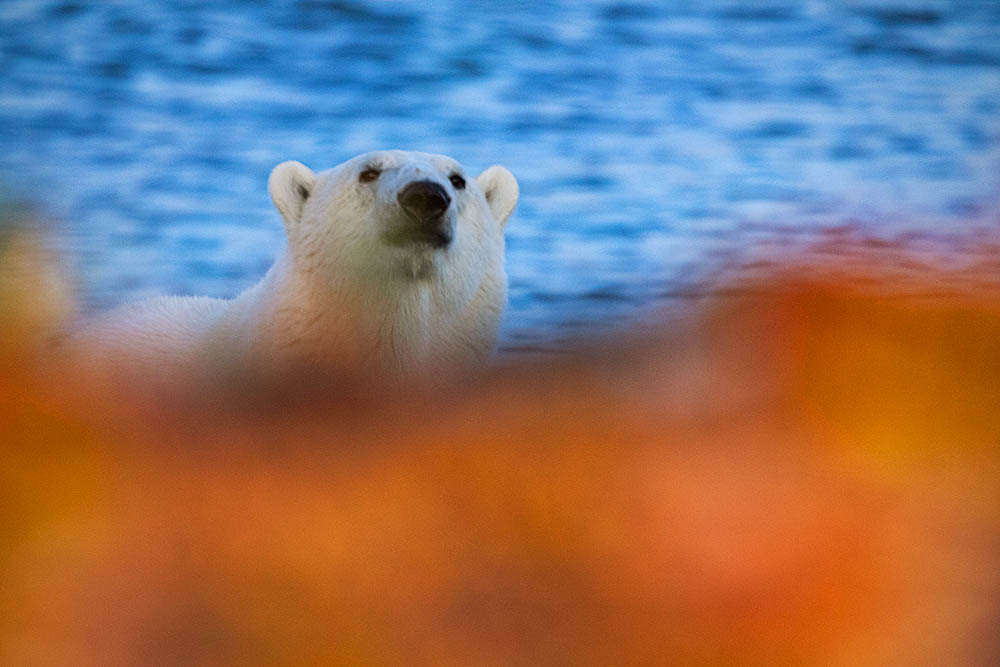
[[808, 474]]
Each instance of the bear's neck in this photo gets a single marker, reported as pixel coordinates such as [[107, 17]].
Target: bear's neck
[[294, 317]]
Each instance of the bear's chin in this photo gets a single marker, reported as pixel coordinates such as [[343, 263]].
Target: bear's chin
[[418, 251], [419, 262], [419, 240]]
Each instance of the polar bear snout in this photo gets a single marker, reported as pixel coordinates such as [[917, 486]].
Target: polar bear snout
[[424, 200], [425, 204]]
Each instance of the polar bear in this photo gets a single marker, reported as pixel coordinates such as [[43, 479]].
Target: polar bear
[[394, 263]]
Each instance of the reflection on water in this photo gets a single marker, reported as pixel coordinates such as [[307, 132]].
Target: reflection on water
[[654, 142]]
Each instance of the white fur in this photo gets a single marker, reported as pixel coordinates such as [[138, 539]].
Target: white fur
[[340, 294]]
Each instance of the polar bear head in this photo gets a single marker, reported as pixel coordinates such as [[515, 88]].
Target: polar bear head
[[408, 247], [396, 215]]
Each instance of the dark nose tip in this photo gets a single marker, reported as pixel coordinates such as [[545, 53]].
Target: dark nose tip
[[424, 200]]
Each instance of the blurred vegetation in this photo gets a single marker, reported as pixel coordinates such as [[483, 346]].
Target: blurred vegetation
[[35, 297], [807, 474]]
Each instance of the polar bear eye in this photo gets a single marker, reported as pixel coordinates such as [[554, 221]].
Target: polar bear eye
[[457, 181], [369, 175]]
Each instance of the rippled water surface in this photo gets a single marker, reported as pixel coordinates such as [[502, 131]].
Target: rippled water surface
[[654, 142]]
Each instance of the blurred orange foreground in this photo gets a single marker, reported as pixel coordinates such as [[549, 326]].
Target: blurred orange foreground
[[806, 475]]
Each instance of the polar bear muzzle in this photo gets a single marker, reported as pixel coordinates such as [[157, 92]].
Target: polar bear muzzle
[[425, 204]]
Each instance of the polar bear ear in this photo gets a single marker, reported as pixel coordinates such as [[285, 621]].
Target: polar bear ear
[[500, 188], [290, 185]]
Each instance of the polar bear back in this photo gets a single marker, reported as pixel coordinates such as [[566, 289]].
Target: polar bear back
[[160, 332]]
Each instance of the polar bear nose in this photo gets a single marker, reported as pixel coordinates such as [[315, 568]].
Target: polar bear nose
[[424, 201]]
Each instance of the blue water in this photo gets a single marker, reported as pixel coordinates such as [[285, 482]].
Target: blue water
[[656, 143]]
